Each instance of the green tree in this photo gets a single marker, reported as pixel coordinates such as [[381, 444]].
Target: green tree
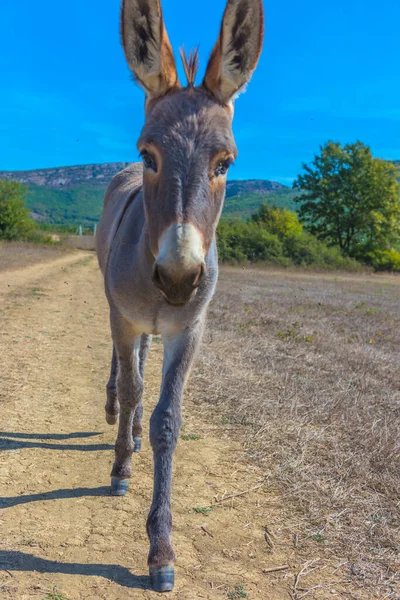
[[350, 199], [279, 221], [14, 216]]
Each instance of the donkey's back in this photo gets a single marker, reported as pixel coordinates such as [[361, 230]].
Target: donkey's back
[[122, 190]]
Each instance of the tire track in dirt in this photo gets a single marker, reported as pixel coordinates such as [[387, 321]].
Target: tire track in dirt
[[59, 526]]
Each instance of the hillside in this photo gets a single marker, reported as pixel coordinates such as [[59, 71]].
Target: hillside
[[66, 177], [74, 195]]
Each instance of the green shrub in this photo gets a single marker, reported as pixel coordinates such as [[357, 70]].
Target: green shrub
[[40, 237], [306, 250], [15, 223], [302, 249], [279, 221], [238, 241], [285, 245], [385, 260]]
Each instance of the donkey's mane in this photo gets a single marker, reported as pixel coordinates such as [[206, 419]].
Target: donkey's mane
[[190, 64]]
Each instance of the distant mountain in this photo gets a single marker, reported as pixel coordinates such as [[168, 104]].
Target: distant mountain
[[66, 177], [74, 195]]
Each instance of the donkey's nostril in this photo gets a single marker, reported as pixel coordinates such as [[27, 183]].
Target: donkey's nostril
[[199, 276], [162, 278], [157, 276]]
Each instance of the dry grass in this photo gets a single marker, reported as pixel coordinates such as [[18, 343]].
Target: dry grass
[[307, 367], [80, 242], [15, 255]]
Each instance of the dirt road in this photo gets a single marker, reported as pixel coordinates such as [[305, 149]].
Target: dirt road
[[60, 528]]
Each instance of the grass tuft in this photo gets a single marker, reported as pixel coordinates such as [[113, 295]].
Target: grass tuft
[[55, 595], [238, 592], [189, 436], [203, 510]]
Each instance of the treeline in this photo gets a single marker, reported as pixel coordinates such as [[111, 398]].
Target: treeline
[[349, 212], [276, 236]]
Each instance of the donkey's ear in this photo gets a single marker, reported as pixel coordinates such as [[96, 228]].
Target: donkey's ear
[[236, 53], [147, 48]]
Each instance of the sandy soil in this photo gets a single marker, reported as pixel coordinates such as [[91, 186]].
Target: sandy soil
[[59, 526]]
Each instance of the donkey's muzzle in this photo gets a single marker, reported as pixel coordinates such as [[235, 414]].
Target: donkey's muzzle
[[177, 287]]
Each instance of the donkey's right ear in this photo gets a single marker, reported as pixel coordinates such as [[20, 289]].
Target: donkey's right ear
[[146, 46]]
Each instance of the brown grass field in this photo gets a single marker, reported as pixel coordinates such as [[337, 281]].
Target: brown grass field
[[307, 366], [17, 255], [289, 455]]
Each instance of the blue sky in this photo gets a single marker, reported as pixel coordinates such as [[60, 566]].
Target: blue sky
[[329, 70]]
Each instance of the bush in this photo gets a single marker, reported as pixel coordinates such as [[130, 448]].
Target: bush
[[385, 260], [275, 236], [40, 237], [306, 250], [238, 241], [15, 223], [279, 221]]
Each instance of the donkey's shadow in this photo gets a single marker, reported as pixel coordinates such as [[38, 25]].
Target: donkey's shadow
[[23, 441], [54, 495], [20, 561], [49, 436]]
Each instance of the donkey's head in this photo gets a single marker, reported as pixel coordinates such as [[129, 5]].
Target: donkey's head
[[187, 143]]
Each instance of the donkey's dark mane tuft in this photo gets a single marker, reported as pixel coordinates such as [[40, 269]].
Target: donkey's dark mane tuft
[[190, 64]]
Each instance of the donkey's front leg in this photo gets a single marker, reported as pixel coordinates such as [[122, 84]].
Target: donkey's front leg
[[112, 404], [129, 389], [145, 344], [165, 424]]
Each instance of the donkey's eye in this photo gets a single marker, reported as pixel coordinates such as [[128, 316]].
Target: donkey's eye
[[149, 161], [222, 167]]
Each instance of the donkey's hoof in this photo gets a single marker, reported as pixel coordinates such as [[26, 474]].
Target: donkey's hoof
[[137, 444], [111, 419], [119, 486], [162, 578]]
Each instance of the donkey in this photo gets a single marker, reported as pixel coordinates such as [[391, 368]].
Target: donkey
[[156, 240]]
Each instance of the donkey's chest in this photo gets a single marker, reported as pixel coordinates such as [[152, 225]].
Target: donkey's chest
[[142, 305], [157, 318]]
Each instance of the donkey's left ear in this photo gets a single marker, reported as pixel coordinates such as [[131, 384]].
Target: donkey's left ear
[[236, 53], [147, 48]]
